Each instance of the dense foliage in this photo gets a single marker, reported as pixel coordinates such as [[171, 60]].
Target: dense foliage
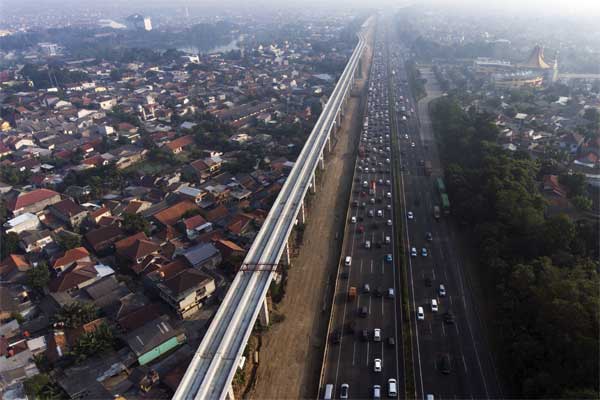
[[544, 269]]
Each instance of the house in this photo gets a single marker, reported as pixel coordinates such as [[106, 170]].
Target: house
[[171, 215], [195, 225], [552, 187], [69, 212], [24, 222], [32, 202], [191, 193], [176, 146], [154, 339], [14, 299], [187, 291], [206, 167], [127, 155], [589, 160], [14, 269], [96, 215], [203, 255], [229, 250], [135, 248], [35, 240], [70, 257], [103, 238], [571, 142], [78, 276]]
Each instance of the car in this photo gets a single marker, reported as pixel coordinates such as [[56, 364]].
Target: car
[[389, 222], [390, 293], [379, 213], [366, 288], [434, 305], [410, 215], [378, 292], [388, 195], [413, 251], [376, 392], [367, 244], [405, 136], [377, 335], [372, 200], [388, 257], [412, 144], [391, 341], [420, 314], [353, 220], [361, 229], [428, 236], [424, 252], [344, 391], [364, 311], [348, 261], [355, 203], [387, 182], [336, 337], [392, 388], [442, 290], [449, 317], [387, 240], [364, 335], [370, 213], [377, 365], [444, 363], [350, 327]]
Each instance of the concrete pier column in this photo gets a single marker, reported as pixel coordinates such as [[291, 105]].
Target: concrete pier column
[[286, 254], [321, 162], [314, 184], [329, 143], [230, 395], [302, 216], [263, 314]]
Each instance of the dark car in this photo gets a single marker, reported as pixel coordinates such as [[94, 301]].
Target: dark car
[[391, 341], [365, 335], [428, 281], [336, 337], [355, 203], [429, 236], [444, 363], [448, 317], [378, 292], [350, 327], [364, 311]]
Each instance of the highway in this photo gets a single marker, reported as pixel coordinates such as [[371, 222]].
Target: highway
[[214, 364], [450, 358], [370, 242]]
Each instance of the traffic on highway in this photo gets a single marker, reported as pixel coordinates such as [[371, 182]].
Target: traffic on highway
[[365, 356]]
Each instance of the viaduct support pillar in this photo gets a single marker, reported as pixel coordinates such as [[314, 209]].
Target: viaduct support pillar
[[329, 143], [230, 395], [314, 184], [302, 216], [263, 314], [321, 162]]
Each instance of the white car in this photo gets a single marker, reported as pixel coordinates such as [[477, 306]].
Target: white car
[[412, 144], [434, 305], [389, 222], [377, 365], [377, 335], [353, 220], [413, 251], [410, 215], [420, 314], [424, 252], [387, 240], [344, 391], [376, 392], [442, 290], [388, 195]]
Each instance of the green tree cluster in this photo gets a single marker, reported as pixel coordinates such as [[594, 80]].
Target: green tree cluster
[[76, 314], [93, 343], [544, 269], [134, 223], [38, 276]]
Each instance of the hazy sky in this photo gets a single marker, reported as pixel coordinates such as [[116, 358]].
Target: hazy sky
[[568, 7]]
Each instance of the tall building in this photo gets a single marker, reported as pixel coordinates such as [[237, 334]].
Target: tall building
[[147, 24]]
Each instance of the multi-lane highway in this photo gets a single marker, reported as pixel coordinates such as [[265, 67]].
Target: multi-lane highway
[[364, 331], [450, 358]]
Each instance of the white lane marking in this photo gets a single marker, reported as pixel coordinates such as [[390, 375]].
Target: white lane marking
[[443, 329], [382, 308], [464, 363], [382, 267], [433, 271], [450, 297], [371, 266], [457, 332], [354, 353], [367, 359]]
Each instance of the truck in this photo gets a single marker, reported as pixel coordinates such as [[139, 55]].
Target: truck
[[436, 212], [351, 293], [428, 168]]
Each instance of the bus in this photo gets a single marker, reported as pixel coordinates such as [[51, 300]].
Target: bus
[[445, 204], [440, 185]]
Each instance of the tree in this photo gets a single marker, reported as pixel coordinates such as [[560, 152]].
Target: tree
[[575, 183], [134, 223], [38, 276], [76, 314], [583, 203], [99, 341], [69, 241], [10, 244]]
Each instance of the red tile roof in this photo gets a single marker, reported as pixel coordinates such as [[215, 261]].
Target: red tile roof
[[180, 142], [171, 215], [70, 256], [29, 198], [193, 222]]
